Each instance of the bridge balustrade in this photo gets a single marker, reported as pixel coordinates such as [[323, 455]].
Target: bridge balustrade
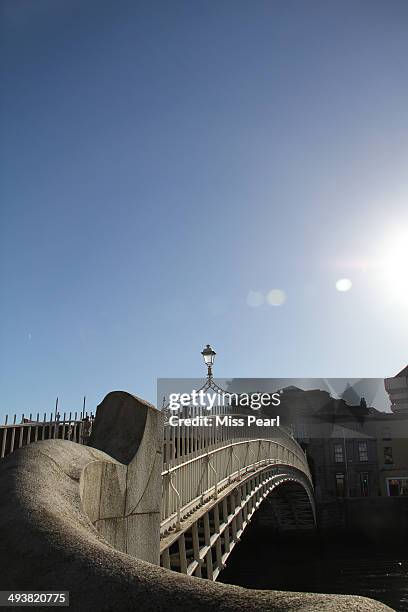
[[199, 462], [16, 435]]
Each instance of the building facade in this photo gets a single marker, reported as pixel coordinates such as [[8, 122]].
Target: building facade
[[339, 440], [393, 438], [397, 389]]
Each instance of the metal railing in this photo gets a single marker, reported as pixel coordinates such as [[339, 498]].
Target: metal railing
[[16, 435], [182, 441], [203, 544], [200, 461]]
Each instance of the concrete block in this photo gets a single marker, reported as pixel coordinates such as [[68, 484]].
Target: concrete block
[[143, 537], [119, 425], [144, 471], [113, 491], [151, 497], [131, 431], [90, 488], [114, 532]]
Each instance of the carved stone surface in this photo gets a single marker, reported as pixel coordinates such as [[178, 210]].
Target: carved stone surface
[[126, 506], [119, 425]]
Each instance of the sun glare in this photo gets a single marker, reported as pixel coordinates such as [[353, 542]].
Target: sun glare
[[393, 266]]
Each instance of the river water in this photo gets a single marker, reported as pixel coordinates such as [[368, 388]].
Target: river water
[[321, 564]]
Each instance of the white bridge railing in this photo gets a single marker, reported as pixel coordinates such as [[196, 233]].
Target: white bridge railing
[[200, 461]]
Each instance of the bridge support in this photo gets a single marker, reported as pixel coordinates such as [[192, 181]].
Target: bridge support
[[123, 499], [201, 545]]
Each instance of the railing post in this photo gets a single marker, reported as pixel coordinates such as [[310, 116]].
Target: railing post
[[210, 465], [3, 445], [253, 455], [166, 494], [246, 457], [13, 437], [239, 463], [178, 522], [231, 462]]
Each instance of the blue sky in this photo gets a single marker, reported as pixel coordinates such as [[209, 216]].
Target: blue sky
[[160, 161]]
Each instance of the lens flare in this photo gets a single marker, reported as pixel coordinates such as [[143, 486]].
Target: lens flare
[[344, 284], [276, 297]]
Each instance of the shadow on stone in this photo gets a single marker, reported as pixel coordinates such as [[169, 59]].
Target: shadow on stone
[[119, 425]]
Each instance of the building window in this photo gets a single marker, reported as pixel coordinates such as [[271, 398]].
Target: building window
[[386, 433], [362, 451], [388, 455], [397, 486], [364, 484], [338, 453], [340, 482]]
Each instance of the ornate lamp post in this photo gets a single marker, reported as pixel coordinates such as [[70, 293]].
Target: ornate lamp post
[[209, 356]]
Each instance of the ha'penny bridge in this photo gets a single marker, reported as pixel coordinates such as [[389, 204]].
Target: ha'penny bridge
[[210, 496], [177, 496], [214, 480], [127, 512]]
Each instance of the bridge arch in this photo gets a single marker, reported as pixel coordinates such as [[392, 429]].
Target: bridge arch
[[205, 539], [289, 507]]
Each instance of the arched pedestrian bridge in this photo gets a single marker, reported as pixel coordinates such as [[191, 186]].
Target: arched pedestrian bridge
[[216, 483], [87, 518], [197, 496]]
